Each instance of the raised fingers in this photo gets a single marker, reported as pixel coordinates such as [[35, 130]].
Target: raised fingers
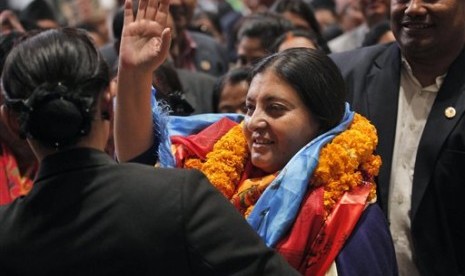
[[151, 9], [128, 13], [163, 10], [141, 9]]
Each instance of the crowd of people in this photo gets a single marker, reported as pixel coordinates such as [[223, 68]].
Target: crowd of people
[[311, 137]]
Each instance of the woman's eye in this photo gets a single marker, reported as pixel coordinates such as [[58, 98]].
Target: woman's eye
[[276, 108], [249, 109]]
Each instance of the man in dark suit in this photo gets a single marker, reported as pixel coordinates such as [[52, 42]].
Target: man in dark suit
[[413, 90]]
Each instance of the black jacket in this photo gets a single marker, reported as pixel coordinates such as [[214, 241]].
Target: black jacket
[[87, 215], [437, 213]]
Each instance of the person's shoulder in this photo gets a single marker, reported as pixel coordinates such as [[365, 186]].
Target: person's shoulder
[[336, 44], [198, 89], [348, 40], [150, 172], [138, 180]]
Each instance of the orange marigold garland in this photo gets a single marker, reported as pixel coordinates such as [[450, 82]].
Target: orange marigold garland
[[225, 163], [348, 161], [344, 163]]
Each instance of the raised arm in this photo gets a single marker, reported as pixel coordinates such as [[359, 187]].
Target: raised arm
[[145, 43]]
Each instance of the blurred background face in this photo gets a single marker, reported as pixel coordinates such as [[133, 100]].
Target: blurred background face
[[232, 98], [325, 17], [375, 10], [351, 16], [249, 51]]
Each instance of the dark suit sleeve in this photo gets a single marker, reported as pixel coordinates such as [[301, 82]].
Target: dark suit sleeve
[[219, 240]]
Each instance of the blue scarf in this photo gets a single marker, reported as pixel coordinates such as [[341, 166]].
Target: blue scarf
[[166, 126], [275, 211]]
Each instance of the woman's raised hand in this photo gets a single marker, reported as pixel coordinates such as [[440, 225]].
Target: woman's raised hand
[[145, 40], [145, 43]]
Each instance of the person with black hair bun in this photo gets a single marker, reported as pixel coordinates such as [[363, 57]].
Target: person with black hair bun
[[88, 215]]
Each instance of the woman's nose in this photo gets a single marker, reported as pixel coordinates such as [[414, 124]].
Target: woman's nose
[[256, 121]]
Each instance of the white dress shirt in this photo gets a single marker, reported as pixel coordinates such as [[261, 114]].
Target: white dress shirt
[[414, 106]]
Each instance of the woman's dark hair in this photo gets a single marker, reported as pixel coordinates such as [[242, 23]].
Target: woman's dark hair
[[53, 79], [315, 78], [305, 11], [233, 76]]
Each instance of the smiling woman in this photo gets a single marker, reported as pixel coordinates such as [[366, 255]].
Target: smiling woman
[[300, 166]]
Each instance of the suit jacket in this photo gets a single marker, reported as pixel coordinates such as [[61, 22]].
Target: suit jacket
[[437, 213], [87, 215], [210, 56], [198, 89]]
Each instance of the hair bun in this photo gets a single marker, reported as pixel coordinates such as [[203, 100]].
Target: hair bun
[[55, 116]]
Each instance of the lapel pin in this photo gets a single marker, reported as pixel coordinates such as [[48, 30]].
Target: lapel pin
[[450, 112], [205, 65]]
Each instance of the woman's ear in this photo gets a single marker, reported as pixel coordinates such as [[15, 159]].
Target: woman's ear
[[10, 120], [110, 92], [106, 103], [112, 88]]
